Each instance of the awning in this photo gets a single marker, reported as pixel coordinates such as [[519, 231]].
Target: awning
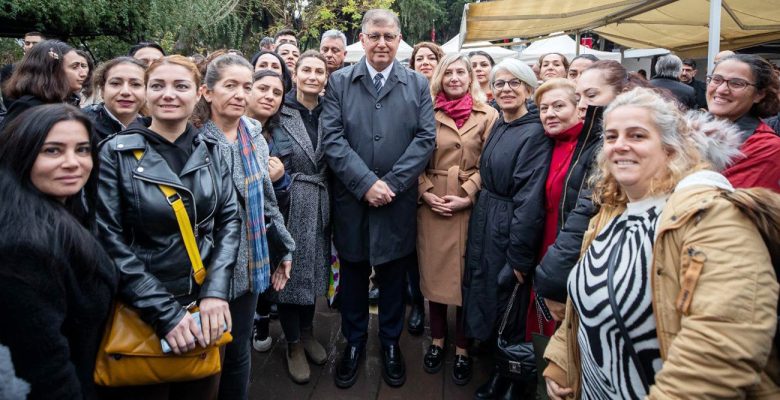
[[562, 44], [498, 53], [681, 26]]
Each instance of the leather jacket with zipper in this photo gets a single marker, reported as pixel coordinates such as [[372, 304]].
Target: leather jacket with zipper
[[139, 230]]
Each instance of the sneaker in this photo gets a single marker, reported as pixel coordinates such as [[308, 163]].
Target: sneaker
[[261, 341]]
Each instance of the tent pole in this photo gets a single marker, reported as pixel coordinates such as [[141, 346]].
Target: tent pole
[[577, 49], [714, 40]]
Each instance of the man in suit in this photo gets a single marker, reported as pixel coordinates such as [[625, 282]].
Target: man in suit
[[378, 133]]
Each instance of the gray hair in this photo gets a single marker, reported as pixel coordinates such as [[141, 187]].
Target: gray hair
[[518, 69], [217, 65], [334, 34], [380, 17], [668, 66]]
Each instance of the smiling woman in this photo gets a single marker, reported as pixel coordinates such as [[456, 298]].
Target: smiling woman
[[121, 85], [157, 279], [56, 281]]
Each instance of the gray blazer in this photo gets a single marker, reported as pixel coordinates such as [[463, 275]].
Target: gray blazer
[[369, 136]]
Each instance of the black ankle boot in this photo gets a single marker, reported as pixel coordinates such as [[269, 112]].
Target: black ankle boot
[[493, 388]]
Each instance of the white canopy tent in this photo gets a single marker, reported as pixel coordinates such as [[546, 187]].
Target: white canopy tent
[[355, 52], [562, 44], [498, 53]]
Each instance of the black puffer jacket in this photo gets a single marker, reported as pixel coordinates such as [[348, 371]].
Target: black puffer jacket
[[504, 228], [553, 271], [139, 229]]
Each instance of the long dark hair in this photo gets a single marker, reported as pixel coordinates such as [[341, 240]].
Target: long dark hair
[[21, 142], [286, 75], [273, 121], [41, 73]]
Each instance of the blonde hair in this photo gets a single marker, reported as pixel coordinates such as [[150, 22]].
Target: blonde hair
[[681, 149], [438, 75], [556, 83]]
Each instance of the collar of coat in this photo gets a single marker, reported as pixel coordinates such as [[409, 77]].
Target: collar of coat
[[399, 72]]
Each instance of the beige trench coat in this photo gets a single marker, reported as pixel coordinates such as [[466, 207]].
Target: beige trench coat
[[452, 170]]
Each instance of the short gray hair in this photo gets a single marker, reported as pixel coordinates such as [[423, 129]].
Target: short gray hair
[[518, 69], [380, 17], [334, 34], [668, 66]]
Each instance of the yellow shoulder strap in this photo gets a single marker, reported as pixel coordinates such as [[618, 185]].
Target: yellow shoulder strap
[[185, 227]]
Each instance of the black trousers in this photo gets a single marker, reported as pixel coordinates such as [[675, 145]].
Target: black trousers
[[353, 292], [237, 366], [295, 318], [413, 278]]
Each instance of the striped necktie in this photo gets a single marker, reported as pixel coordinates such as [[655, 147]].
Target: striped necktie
[[378, 82]]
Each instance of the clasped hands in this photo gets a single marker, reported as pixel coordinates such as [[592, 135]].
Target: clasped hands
[[379, 194], [446, 205], [214, 315]]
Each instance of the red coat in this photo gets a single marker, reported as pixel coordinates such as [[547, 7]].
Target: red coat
[[760, 166]]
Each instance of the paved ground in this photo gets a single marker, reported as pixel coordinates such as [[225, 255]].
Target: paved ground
[[270, 380]]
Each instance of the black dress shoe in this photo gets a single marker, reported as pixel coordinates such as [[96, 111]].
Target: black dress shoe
[[394, 371], [347, 369], [373, 295], [461, 372], [416, 323], [434, 359], [493, 388]]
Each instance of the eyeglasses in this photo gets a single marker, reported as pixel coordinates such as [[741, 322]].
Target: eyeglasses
[[374, 37], [513, 84], [735, 84]]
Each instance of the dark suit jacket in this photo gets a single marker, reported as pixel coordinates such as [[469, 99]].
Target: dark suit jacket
[[366, 137]]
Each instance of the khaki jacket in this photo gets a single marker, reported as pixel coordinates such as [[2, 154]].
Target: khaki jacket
[[714, 300], [452, 170]]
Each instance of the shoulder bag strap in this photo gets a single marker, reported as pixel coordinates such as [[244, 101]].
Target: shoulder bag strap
[[187, 233], [616, 311]]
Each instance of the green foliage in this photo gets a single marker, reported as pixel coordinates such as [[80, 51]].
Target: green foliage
[[109, 27], [418, 17], [10, 51]]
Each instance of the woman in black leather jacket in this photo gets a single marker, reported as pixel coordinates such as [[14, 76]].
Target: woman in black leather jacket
[[138, 227]]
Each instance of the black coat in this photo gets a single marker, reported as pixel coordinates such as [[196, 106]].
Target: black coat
[[102, 122], [506, 224], [367, 137], [56, 289], [553, 271], [139, 230], [700, 91], [684, 93], [18, 108]]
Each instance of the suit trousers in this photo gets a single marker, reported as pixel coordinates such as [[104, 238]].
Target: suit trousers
[[353, 292]]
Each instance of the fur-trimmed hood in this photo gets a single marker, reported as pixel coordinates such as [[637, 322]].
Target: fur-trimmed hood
[[717, 140]]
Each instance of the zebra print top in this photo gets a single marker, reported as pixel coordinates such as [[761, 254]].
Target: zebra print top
[[608, 371]]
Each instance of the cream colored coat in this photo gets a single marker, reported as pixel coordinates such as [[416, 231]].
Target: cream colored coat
[[715, 345], [453, 170]]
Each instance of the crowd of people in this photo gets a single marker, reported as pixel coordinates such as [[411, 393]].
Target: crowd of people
[[632, 224]]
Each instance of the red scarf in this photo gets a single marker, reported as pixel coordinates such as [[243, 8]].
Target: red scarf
[[458, 109]]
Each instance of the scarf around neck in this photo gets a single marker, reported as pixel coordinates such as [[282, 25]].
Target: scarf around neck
[[458, 109], [259, 262]]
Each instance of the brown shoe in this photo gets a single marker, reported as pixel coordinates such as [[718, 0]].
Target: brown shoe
[[297, 366], [313, 348]]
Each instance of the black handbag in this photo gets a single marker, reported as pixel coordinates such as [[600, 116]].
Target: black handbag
[[515, 358]]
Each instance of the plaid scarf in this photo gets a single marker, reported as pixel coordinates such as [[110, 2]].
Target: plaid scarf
[[259, 265]]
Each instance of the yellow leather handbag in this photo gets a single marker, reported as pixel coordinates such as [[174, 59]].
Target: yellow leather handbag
[[130, 353]]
